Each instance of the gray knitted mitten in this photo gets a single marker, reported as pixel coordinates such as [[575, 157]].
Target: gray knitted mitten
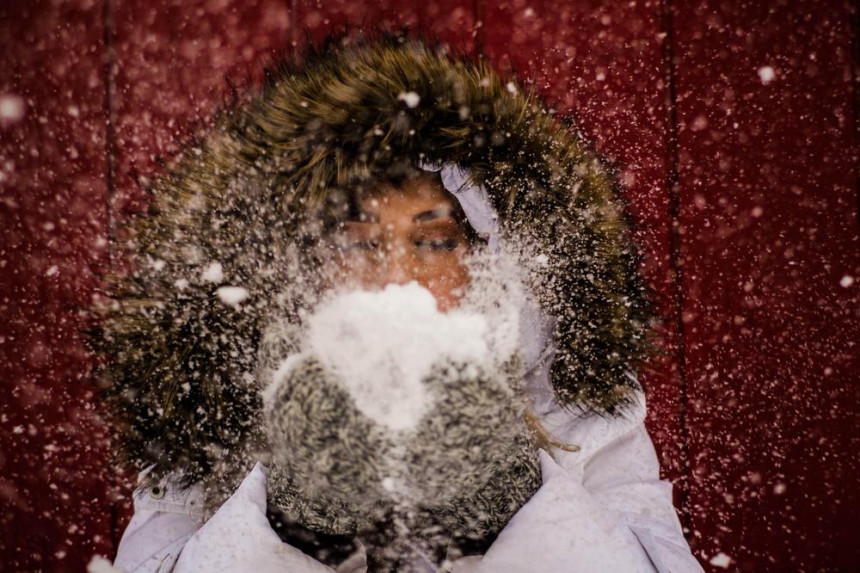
[[326, 453], [461, 473], [472, 461]]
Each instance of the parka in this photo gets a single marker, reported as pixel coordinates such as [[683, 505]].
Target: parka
[[237, 210]]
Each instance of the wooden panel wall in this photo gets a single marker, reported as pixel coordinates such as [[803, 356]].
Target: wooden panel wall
[[54, 509], [733, 127], [768, 196]]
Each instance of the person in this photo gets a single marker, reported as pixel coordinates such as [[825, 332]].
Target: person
[[386, 165]]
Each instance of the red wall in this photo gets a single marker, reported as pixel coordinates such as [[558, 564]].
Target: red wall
[[744, 188]]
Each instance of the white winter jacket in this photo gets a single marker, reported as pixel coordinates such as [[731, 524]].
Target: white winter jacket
[[602, 508]]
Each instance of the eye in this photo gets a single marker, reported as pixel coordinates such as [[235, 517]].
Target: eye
[[438, 244], [361, 245]]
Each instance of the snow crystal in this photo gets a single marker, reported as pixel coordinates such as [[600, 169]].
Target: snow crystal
[[846, 281], [52, 271], [382, 344], [766, 74], [700, 122], [11, 108], [99, 564], [214, 273], [390, 484], [721, 560], [411, 98], [232, 295]]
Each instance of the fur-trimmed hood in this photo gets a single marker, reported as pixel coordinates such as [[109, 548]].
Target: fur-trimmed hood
[[233, 211]]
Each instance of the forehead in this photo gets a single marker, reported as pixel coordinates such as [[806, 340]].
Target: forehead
[[413, 195]]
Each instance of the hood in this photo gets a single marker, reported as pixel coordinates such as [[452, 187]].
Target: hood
[[229, 218]]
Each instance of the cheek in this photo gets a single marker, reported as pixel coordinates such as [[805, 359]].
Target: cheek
[[446, 277], [355, 268]]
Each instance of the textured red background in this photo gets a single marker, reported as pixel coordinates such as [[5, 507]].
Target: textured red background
[[743, 187]]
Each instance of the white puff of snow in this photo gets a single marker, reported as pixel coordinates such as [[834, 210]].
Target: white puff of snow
[[99, 564], [721, 560], [214, 273], [232, 295], [12, 108], [410, 98], [766, 74], [383, 344]]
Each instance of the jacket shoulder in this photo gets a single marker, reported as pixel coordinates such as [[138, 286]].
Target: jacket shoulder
[[166, 515], [168, 495], [580, 436]]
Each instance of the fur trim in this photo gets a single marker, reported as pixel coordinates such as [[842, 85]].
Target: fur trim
[[230, 211]]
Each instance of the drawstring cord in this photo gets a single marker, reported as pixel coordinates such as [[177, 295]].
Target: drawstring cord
[[544, 437]]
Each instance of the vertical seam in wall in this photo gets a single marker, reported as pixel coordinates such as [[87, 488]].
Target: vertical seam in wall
[[109, 72], [672, 188], [854, 39], [478, 12], [293, 30]]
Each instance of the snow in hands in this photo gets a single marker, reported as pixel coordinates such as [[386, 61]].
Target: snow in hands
[[382, 344]]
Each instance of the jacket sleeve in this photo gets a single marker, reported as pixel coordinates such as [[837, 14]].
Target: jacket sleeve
[[624, 479], [166, 534], [602, 508]]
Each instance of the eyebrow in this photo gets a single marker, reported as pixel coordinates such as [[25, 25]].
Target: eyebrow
[[437, 213], [364, 217], [429, 215]]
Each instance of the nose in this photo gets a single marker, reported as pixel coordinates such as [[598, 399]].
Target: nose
[[397, 266]]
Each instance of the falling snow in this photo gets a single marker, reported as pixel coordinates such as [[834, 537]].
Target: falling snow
[[766, 74], [730, 126], [721, 560], [232, 295], [213, 273], [411, 99], [12, 109]]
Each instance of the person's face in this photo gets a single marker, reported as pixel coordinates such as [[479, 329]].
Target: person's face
[[408, 234]]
